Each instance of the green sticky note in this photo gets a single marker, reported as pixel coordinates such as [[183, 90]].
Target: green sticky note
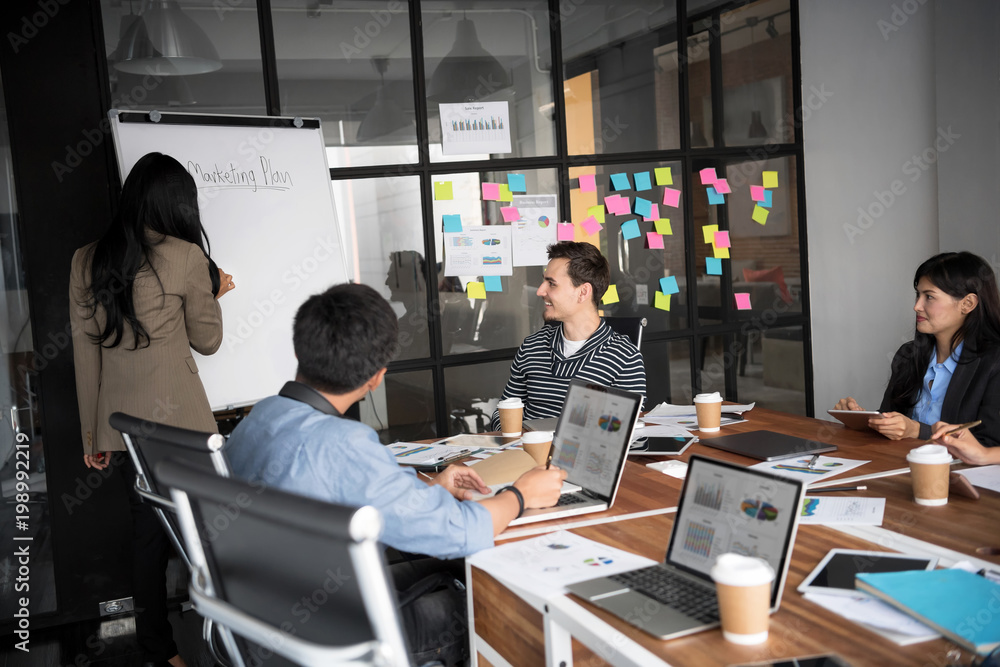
[[663, 176], [770, 179], [663, 226], [442, 190], [505, 193], [661, 300], [476, 290], [760, 214], [597, 212], [611, 296]]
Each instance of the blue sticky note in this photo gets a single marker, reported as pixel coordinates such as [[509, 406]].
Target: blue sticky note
[[643, 207], [668, 285], [767, 199], [620, 182], [493, 283], [713, 266], [630, 229], [642, 180], [453, 223], [516, 184], [714, 197]]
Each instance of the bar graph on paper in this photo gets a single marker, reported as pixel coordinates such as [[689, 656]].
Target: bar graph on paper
[[475, 127]]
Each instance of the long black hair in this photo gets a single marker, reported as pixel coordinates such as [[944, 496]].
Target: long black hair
[[160, 196], [956, 274]]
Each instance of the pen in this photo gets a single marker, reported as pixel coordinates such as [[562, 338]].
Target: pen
[[962, 427], [548, 459], [828, 489], [812, 461]]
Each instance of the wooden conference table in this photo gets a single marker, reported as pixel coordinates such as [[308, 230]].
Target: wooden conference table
[[511, 625]]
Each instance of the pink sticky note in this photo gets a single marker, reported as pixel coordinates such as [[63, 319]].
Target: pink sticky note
[[721, 239], [722, 186], [624, 206], [591, 225], [611, 201], [654, 241], [509, 213], [708, 176], [757, 192], [491, 191], [671, 197], [655, 216], [587, 183], [742, 300], [564, 231]]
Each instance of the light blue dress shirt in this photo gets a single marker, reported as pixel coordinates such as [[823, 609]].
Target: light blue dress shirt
[[289, 445], [928, 407]]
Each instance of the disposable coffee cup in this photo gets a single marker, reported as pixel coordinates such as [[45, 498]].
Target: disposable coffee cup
[[511, 416], [709, 410], [930, 466], [743, 585], [537, 443]]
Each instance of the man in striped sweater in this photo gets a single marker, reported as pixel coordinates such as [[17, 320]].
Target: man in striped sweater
[[580, 345]]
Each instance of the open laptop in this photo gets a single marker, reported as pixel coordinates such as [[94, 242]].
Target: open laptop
[[724, 508], [590, 443]]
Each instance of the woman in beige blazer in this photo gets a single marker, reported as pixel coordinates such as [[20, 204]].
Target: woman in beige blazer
[[140, 298]]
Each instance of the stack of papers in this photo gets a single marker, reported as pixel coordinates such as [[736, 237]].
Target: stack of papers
[[799, 468], [876, 616]]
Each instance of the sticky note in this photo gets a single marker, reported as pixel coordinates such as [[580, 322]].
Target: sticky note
[[643, 207], [493, 283], [509, 213], [663, 226], [564, 231], [720, 253], [505, 193], [516, 183], [708, 176], [611, 201], [661, 301], [642, 180], [654, 213], [721, 240], [713, 266], [742, 300], [663, 176], [767, 198], [611, 296], [770, 179], [587, 183], [597, 212], [668, 285], [476, 290], [591, 225], [452, 223], [760, 214], [757, 192], [630, 229], [654, 241], [708, 231], [722, 186], [620, 182], [443, 191], [491, 191], [671, 197], [714, 198], [619, 205]]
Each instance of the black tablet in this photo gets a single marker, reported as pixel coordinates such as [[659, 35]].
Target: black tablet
[[653, 446], [835, 573]]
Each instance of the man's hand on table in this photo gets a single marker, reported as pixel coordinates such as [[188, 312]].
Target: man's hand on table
[[461, 481]]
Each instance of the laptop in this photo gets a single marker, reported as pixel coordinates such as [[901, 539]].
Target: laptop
[[768, 445], [724, 508], [590, 443]]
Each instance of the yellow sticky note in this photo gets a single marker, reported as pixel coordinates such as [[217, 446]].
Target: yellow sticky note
[[611, 296], [505, 193], [709, 232], [476, 290], [760, 214], [663, 227], [770, 179], [442, 190], [663, 176], [720, 253], [661, 300], [597, 212]]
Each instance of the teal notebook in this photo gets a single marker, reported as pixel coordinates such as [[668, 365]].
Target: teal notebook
[[960, 605]]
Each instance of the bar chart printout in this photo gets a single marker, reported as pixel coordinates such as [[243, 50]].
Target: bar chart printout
[[475, 127]]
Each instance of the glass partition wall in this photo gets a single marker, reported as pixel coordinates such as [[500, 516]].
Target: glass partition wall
[[463, 136]]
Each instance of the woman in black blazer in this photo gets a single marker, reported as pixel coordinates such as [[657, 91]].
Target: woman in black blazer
[[956, 346]]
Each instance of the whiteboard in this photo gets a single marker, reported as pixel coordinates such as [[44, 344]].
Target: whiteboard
[[267, 206]]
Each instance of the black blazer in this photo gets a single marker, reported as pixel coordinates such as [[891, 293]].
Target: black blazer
[[973, 393]]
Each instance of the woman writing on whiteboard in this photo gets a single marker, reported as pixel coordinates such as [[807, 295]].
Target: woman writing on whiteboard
[[140, 298], [950, 372]]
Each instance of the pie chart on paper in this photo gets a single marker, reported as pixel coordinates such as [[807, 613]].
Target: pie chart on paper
[[543, 221]]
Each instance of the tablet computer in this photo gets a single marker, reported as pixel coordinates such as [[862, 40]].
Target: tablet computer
[[660, 446], [855, 419], [835, 573]]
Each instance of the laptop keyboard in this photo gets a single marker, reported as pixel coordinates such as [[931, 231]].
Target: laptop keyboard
[[567, 499], [674, 591]]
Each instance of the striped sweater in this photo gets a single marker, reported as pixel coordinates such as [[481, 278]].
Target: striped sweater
[[540, 374]]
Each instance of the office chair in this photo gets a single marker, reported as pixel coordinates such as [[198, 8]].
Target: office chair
[[148, 443], [628, 326], [297, 579]]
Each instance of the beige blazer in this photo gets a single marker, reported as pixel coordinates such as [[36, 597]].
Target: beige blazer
[[159, 382]]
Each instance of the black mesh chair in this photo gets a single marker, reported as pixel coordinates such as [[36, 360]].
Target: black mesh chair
[[300, 581], [628, 326]]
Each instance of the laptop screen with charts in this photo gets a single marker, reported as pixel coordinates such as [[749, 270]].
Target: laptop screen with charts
[[723, 508], [590, 443]]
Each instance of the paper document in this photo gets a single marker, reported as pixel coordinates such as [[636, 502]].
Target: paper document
[[877, 616], [670, 410], [661, 431], [478, 251], [691, 421], [985, 477], [839, 510], [416, 454], [798, 468]]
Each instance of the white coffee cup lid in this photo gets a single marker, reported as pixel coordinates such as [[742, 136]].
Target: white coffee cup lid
[[929, 454], [535, 437], [738, 570], [714, 397], [510, 403]]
